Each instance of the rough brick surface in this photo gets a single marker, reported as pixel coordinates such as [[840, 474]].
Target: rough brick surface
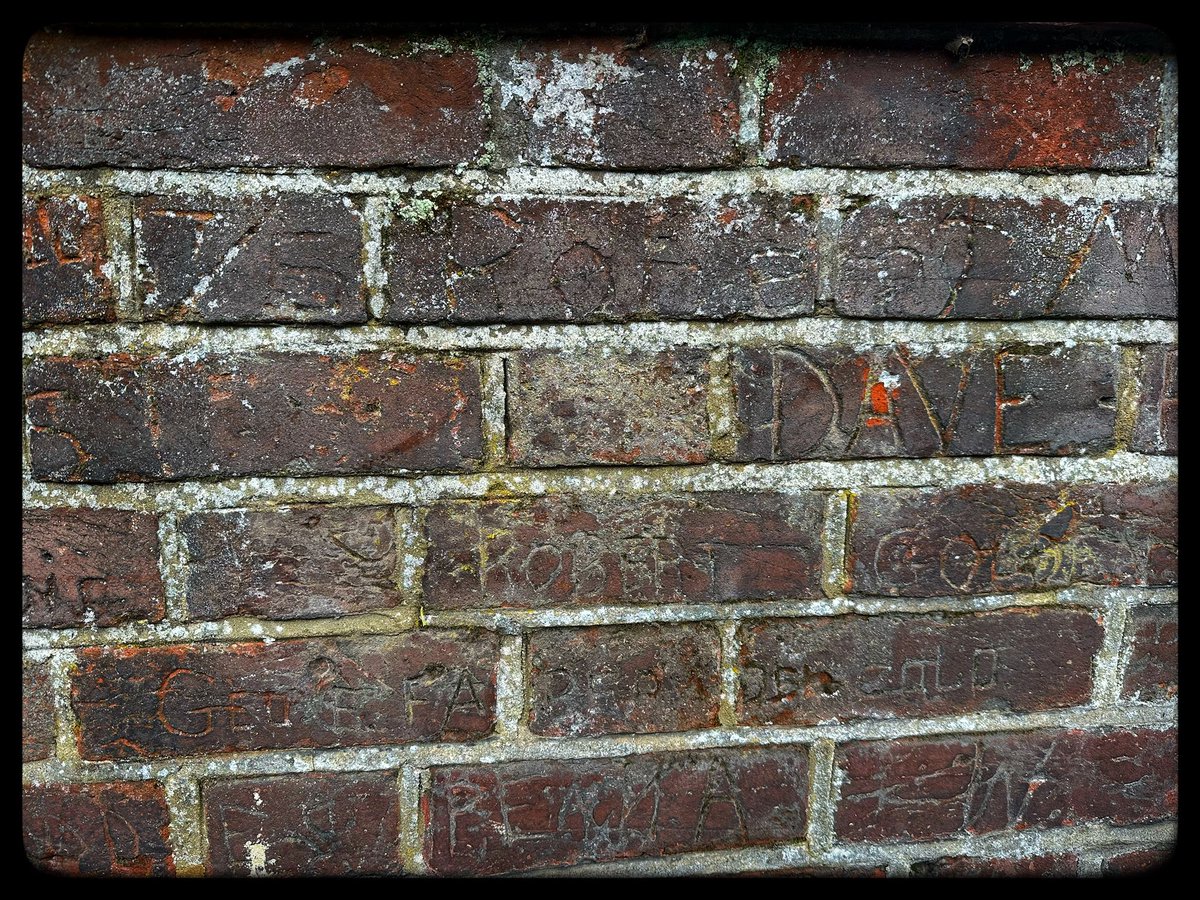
[[1156, 429], [217, 698], [168, 102], [569, 409], [981, 539], [1064, 866], [916, 789], [837, 404], [311, 824], [865, 107], [580, 551], [283, 258], [609, 104], [37, 711], [89, 567], [1138, 862], [535, 259], [491, 819], [124, 418], [624, 679], [967, 258], [67, 275], [97, 829], [1152, 672], [807, 671], [299, 563]]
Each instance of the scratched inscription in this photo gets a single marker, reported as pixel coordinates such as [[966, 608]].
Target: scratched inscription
[[1156, 429], [306, 693], [1152, 672], [67, 275], [491, 819]]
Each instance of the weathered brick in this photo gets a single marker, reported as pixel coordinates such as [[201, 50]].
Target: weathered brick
[[1062, 866], [317, 824], [624, 679], [838, 403], [609, 104], [215, 698], [124, 418], [915, 789], [1156, 428], [67, 275], [484, 820], [856, 106], [808, 671], [580, 551], [97, 829], [256, 258], [1152, 672], [969, 258], [1139, 862], [167, 102], [89, 567], [983, 538], [299, 563], [577, 409], [809, 872], [37, 711], [549, 260]]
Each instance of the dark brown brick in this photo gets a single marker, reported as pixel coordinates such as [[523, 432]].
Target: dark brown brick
[[967, 258], [216, 698], [1064, 866], [165, 102], [837, 403], [89, 567], [997, 538], [609, 104], [624, 679], [582, 551], [123, 418], [1139, 862], [300, 563], [309, 824], [809, 872], [67, 275], [1156, 428], [808, 671], [484, 820], [577, 409], [1152, 672], [536, 259], [97, 829], [259, 258], [915, 789], [37, 711], [866, 107]]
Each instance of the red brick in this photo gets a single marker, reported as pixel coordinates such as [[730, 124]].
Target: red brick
[[548, 260], [218, 698], [578, 409], [809, 872], [67, 272], [624, 679], [1156, 429], [1064, 866], [915, 789], [1152, 672], [990, 110], [584, 551], [838, 403], [611, 104], [260, 258], [37, 711], [808, 671], [484, 820], [315, 824], [167, 102], [89, 567], [97, 829], [1000, 538], [969, 258], [1139, 862], [300, 563], [123, 418]]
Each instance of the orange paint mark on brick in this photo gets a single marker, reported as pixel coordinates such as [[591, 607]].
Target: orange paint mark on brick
[[317, 88]]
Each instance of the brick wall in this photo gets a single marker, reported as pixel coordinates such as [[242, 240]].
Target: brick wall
[[660, 453]]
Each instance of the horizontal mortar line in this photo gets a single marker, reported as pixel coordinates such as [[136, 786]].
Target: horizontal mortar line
[[1159, 715], [893, 184], [511, 621], [786, 478], [194, 341]]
